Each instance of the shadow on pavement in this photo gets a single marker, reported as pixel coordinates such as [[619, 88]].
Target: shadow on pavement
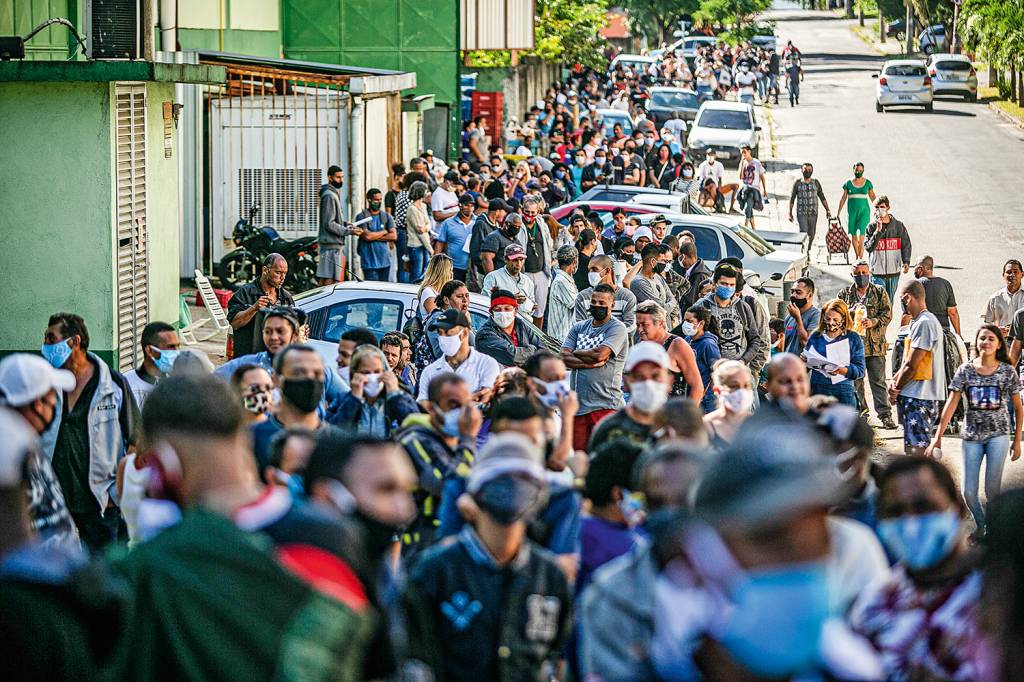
[[934, 112], [843, 69]]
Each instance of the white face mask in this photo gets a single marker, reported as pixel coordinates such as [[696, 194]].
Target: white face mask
[[739, 401], [503, 319], [648, 396], [594, 278], [450, 345], [688, 328], [553, 392], [373, 385]]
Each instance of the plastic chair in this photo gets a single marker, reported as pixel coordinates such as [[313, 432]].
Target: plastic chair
[[218, 317]]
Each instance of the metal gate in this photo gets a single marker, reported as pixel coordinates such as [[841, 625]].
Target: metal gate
[[275, 150]]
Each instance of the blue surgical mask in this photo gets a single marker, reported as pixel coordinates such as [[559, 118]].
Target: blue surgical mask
[[451, 422], [57, 353], [775, 628], [921, 541], [723, 292], [165, 362], [293, 483]]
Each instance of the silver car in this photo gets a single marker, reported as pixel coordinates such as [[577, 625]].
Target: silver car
[[903, 82], [381, 307], [953, 74]]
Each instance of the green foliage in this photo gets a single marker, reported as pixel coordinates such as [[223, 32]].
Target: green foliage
[[732, 14], [994, 28], [566, 31], [657, 19]]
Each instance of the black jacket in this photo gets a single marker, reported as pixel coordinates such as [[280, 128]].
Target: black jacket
[[467, 618], [495, 342], [699, 275]]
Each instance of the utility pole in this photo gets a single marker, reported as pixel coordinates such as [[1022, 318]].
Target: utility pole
[[881, 26]]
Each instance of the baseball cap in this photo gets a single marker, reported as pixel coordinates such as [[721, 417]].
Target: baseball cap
[[497, 205], [450, 319], [467, 199], [25, 377], [643, 232], [17, 440], [647, 351], [428, 152], [452, 176], [508, 452], [514, 251]]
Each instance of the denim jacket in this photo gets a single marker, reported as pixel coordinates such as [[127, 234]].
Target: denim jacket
[[397, 406], [113, 417]]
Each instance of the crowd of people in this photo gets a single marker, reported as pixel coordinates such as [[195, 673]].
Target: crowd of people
[[631, 470]]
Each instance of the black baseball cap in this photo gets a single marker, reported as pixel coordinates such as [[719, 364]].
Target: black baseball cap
[[467, 198], [498, 205], [450, 319]]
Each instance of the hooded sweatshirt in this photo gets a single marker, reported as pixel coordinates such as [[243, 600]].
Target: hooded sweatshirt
[[332, 228]]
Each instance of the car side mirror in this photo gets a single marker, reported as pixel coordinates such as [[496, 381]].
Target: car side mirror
[[757, 127], [776, 276], [874, 75]]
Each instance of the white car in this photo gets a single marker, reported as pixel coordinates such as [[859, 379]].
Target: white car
[[953, 74], [903, 82], [692, 43], [639, 63], [725, 127], [381, 307]]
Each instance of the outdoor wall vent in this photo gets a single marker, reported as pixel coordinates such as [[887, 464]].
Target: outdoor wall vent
[[113, 29]]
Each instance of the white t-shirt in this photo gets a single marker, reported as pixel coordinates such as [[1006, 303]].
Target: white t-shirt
[[715, 170], [479, 371], [926, 334], [140, 387], [443, 200], [745, 82], [855, 561], [426, 294]]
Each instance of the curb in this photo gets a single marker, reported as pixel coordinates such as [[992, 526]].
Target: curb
[[1009, 118]]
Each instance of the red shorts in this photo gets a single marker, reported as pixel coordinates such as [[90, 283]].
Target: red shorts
[[584, 425]]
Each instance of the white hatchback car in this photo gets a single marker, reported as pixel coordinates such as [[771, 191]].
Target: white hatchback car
[[725, 127], [903, 82], [953, 74]]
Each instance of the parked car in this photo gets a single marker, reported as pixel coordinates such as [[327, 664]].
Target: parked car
[[615, 193], [765, 37], [664, 102], [896, 29], [953, 74], [609, 117], [381, 307], [636, 62], [725, 127], [903, 82], [932, 39], [692, 43]]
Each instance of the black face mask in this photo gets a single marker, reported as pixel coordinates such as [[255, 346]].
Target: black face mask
[[47, 422], [599, 312], [807, 175], [511, 232], [659, 268], [507, 499], [303, 394], [862, 280], [798, 302], [378, 535], [336, 184]]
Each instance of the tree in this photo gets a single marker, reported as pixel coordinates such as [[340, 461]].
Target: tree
[[658, 19], [732, 14], [995, 28]]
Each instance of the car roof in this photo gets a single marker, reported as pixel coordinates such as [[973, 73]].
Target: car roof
[[726, 105], [633, 189], [634, 58], [665, 88], [902, 62], [943, 57], [375, 288], [619, 113], [702, 38]]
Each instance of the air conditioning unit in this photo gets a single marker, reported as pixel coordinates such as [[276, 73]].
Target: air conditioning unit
[[114, 29]]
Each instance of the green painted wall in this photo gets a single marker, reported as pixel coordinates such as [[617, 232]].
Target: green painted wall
[[256, 43], [57, 209], [409, 35], [18, 17]]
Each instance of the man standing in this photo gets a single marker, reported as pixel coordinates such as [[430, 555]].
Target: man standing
[[453, 235], [739, 337], [512, 278], [562, 295], [939, 297], [485, 224], [803, 316], [374, 250], [871, 311], [1004, 303], [601, 271], [535, 238], [806, 194], [333, 230], [888, 242], [596, 350], [649, 285], [444, 202], [159, 351], [793, 74], [94, 425], [598, 173], [246, 304], [751, 173], [920, 384], [504, 336], [477, 370], [682, 363], [694, 270], [648, 379], [491, 605], [492, 250]]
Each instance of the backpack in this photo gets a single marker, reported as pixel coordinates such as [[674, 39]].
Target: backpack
[[837, 240]]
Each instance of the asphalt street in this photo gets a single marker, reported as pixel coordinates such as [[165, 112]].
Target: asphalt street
[[953, 176]]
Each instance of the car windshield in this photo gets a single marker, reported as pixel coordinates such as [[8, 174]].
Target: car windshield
[[724, 119], [752, 239], [694, 43], [904, 70], [953, 66], [610, 121], [674, 100]]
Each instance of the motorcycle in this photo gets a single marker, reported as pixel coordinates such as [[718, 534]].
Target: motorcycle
[[255, 243]]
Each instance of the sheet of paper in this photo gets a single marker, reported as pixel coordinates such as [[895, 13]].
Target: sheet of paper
[[838, 353], [819, 363]]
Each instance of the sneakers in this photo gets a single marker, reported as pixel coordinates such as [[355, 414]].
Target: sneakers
[[888, 423]]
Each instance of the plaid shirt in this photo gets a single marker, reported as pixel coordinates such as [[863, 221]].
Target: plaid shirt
[[876, 300]]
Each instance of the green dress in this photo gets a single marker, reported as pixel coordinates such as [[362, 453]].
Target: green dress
[[858, 207]]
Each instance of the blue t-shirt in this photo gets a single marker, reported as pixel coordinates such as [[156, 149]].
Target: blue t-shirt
[[454, 233], [375, 255], [810, 317]]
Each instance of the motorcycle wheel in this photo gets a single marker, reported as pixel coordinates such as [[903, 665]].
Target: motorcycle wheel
[[237, 268], [302, 275]]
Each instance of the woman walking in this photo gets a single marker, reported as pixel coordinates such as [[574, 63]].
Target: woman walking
[[417, 221], [990, 384], [836, 341], [858, 195]]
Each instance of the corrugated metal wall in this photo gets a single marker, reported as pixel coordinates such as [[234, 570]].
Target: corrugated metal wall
[[498, 24]]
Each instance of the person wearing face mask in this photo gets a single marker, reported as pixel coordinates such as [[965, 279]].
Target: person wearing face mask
[[923, 620], [746, 80], [492, 249], [452, 235], [537, 243], [375, 404], [601, 270], [255, 389], [491, 605], [95, 425], [576, 171], [159, 351], [599, 172], [562, 294], [860, 194], [806, 194], [700, 330], [478, 370], [29, 389], [888, 242], [333, 230], [684, 373], [486, 223], [547, 377], [504, 336], [871, 311], [649, 284], [648, 381], [739, 335], [733, 386], [835, 340], [803, 316], [376, 238], [511, 278]]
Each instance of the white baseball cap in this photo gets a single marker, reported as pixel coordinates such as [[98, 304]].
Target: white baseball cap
[[25, 377], [647, 351], [17, 439]]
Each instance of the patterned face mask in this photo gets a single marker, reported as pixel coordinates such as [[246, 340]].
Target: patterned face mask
[[257, 403]]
